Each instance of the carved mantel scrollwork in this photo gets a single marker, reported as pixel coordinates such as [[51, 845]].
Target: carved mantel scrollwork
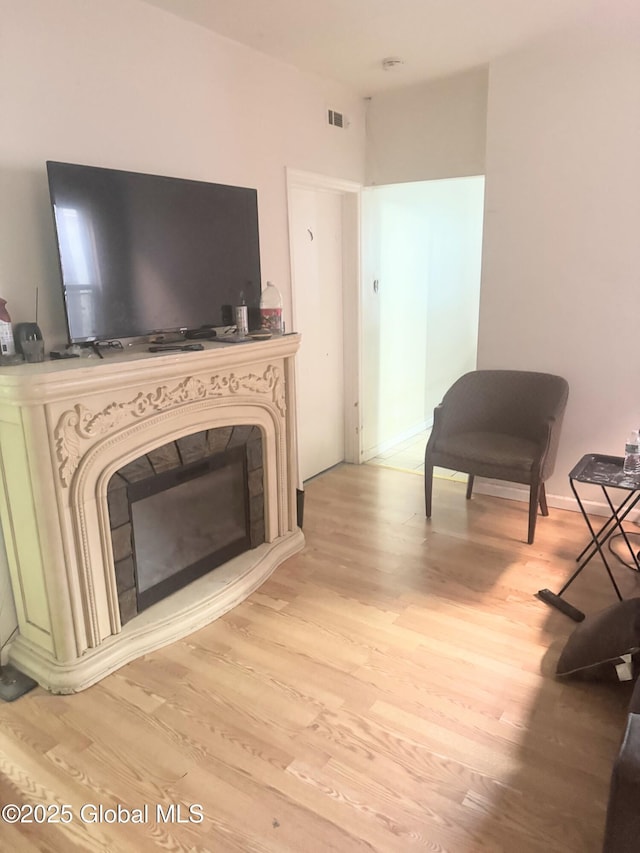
[[79, 424]]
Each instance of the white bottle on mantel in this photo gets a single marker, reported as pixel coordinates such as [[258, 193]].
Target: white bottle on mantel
[[7, 343], [271, 310]]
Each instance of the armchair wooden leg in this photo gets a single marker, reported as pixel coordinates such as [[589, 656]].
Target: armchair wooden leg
[[428, 487], [470, 486], [534, 497], [544, 509]]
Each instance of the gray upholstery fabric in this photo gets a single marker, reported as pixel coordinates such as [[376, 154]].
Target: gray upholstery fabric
[[490, 450], [595, 647], [622, 829], [503, 424]]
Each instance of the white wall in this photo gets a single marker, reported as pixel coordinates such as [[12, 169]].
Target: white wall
[[423, 245], [433, 130], [396, 253], [124, 85], [560, 283], [456, 214]]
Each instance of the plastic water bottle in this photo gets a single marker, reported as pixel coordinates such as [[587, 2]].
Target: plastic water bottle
[[271, 310], [632, 454], [7, 343]]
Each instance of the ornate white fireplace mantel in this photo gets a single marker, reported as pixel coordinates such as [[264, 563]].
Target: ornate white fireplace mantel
[[65, 428]]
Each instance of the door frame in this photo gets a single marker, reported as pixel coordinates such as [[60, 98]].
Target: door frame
[[352, 331]]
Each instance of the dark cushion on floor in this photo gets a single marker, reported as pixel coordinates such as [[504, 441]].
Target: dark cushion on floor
[[594, 650]]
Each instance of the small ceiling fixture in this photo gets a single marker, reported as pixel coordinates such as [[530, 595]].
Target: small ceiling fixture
[[391, 63]]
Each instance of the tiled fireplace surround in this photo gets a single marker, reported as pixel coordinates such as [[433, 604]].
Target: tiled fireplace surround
[[66, 428]]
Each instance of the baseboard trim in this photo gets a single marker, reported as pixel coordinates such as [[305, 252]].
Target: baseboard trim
[[372, 452], [513, 493]]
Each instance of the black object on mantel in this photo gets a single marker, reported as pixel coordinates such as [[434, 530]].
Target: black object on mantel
[[26, 332], [14, 683], [59, 354], [206, 333], [175, 347]]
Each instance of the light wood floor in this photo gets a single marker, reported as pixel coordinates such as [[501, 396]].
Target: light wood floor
[[389, 689]]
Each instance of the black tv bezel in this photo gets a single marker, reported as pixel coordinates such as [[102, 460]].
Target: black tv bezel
[[253, 305]]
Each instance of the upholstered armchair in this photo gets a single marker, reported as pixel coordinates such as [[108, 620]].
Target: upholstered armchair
[[502, 424]]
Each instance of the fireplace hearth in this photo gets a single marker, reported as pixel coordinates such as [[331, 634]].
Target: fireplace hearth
[[78, 441]]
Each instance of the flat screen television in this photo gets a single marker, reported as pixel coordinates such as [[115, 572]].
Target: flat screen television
[[141, 254]]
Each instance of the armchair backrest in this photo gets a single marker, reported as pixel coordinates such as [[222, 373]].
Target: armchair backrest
[[516, 402]]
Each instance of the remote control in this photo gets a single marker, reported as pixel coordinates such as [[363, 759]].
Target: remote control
[[175, 347], [560, 604]]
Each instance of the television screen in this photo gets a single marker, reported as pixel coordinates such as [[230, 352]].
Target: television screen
[[143, 253]]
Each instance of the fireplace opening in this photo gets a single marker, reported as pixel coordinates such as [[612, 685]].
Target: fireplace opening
[[187, 522], [182, 510]]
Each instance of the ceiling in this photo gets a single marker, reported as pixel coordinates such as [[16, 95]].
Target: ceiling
[[347, 39]]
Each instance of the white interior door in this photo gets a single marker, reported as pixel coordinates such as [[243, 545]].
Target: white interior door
[[317, 259]]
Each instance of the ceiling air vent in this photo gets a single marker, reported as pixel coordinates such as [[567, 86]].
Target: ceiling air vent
[[336, 119]]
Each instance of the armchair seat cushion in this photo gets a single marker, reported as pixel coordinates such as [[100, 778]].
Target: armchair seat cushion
[[493, 449]]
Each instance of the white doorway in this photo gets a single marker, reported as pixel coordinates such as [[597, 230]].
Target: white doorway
[[323, 238], [420, 302]]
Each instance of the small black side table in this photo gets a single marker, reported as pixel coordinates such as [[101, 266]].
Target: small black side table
[[605, 471]]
